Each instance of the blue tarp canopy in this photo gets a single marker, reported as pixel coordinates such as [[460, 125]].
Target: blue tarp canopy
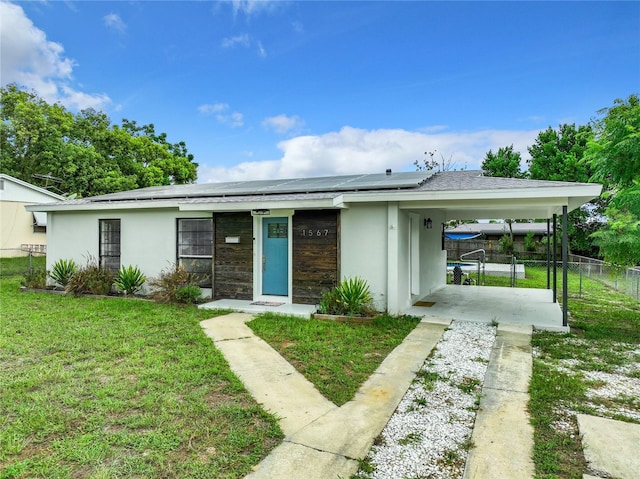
[[462, 236]]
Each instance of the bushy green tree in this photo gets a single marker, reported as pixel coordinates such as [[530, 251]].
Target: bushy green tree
[[614, 156], [85, 151], [557, 155], [505, 163]]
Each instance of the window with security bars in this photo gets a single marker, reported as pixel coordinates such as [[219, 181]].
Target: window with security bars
[[195, 247], [110, 245]]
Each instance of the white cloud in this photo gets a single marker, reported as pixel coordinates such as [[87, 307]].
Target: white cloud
[[209, 109], [235, 119], [261, 51], [238, 40], [283, 123], [298, 27], [78, 100], [354, 150], [32, 61], [253, 7], [114, 22], [221, 111]]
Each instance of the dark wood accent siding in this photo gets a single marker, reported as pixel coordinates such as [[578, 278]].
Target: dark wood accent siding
[[233, 263], [316, 236]]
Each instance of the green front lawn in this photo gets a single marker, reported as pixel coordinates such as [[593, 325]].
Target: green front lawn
[[112, 387]]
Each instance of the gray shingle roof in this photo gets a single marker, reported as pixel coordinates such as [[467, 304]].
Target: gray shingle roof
[[473, 180]]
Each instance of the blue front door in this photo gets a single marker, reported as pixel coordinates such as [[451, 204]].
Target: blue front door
[[275, 256]]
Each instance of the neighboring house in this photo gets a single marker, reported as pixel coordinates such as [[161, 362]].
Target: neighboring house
[[473, 236], [22, 230], [291, 240]]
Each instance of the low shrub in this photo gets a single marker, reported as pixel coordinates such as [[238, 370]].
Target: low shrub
[[90, 279], [329, 304], [35, 278], [352, 297], [505, 244], [189, 294], [130, 280], [530, 243], [165, 287], [62, 271]]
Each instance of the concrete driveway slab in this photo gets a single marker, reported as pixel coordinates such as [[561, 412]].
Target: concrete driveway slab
[[502, 434]]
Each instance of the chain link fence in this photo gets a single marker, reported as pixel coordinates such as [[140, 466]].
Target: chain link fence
[[26, 258], [625, 281]]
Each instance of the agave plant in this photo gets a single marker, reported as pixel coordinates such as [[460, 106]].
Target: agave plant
[[130, 279], [351, 297], [62, 271]]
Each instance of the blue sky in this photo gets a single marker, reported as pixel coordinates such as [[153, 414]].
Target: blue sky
[[266, 89]]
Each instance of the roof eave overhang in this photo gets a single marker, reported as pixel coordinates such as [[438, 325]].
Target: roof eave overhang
[[106, 206], [498, 203], [581, 190]]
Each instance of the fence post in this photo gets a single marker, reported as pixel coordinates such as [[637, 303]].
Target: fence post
[[565, 280], [555, 282], [580, 291]]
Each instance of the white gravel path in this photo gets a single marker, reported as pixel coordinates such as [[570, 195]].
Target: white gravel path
[[429, 434]]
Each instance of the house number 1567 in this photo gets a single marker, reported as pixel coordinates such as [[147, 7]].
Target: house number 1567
[[311, 233]]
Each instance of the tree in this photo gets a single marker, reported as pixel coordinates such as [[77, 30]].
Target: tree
[[429, 162], [557, 155], [85, 151], [505, 163], [614, 156]]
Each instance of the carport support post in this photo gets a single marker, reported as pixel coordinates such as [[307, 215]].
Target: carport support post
[[555, 282], [548, 255], [565, 281]]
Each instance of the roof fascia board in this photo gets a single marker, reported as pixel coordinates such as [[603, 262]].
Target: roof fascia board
[[133, 205], [487, 203], [582, 190]]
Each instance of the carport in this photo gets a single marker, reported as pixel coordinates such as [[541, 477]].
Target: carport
[[468, 196]]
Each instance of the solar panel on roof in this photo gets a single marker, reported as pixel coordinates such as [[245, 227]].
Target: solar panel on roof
[[378, 181]]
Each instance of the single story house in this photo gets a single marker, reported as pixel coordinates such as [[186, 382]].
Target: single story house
[[22, 231], [290, 240]]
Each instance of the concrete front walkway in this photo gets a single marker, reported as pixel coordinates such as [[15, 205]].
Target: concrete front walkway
[[322, 440]]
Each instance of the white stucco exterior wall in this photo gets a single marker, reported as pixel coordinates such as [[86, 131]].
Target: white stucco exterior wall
[[363, 247], [148, 237], [433, 260], [381, 243]]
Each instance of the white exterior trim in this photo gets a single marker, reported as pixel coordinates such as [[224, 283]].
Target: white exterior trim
[[257, 256]]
